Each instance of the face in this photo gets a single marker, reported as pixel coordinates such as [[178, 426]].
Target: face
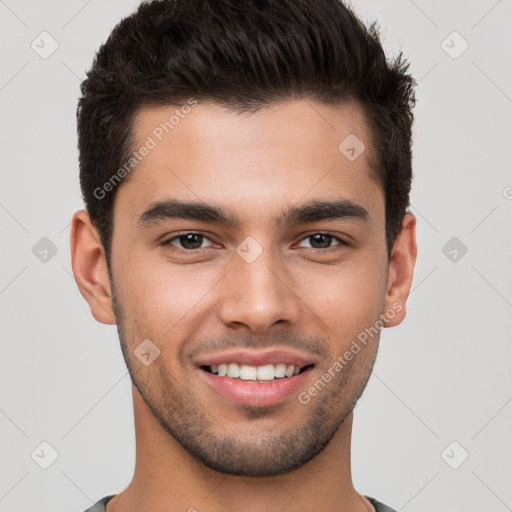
[[248, 263]]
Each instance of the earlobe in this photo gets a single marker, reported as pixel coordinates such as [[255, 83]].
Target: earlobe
[[400, 272], [90, 267]]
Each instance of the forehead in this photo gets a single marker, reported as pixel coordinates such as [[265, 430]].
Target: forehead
[[282, 154]]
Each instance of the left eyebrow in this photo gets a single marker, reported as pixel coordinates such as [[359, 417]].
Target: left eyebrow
[[314, 211], [317, 211]]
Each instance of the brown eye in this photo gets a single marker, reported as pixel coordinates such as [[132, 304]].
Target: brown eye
[[323, 240], [187, 241]]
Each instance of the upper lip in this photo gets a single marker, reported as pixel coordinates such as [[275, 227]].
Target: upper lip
[[258, 358]]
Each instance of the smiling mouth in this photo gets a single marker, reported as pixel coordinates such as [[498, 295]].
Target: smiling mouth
[[263, 373]]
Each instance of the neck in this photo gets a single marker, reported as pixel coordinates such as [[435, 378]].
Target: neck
[[168, 479]]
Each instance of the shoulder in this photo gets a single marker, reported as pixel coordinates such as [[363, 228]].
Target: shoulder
[[100, 506], [379, 507]]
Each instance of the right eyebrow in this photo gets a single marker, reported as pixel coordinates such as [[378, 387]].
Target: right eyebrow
[[175, 209]]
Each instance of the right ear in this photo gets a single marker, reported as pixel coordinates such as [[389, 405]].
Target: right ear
[[90, 268]]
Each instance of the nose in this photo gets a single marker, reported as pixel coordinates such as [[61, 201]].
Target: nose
[[259, 295]]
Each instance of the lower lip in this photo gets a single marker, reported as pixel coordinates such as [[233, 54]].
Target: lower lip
[[255, 394]]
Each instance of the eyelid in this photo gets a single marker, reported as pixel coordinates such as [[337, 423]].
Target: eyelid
[[341, 241], [167, 241]]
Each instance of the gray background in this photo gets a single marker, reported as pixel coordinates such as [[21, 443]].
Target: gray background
[[443, 376]]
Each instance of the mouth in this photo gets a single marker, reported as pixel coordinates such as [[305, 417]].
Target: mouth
[[260, 384], [261, 374]]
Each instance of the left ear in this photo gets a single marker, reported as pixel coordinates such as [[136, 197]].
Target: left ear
[[400, 271]]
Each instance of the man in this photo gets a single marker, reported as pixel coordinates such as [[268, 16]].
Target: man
[[246, 169]]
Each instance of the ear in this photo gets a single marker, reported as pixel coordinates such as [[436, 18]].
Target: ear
[[90, 267], [400, 272]]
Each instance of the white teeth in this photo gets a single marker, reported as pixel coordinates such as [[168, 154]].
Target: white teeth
[[265, 372], [233, 370], [280, 370], [248, 372]]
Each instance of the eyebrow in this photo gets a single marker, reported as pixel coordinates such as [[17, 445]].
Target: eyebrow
[[314, 211]]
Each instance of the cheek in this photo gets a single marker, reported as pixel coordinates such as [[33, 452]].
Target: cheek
[[347, 299], [164, 301]]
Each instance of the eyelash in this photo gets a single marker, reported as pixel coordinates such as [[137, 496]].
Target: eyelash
[[340, 241]]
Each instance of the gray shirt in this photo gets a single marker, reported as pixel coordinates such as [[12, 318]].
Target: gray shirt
[[100, 505]]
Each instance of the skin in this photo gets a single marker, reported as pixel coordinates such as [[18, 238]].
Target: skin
[[302, 297]]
